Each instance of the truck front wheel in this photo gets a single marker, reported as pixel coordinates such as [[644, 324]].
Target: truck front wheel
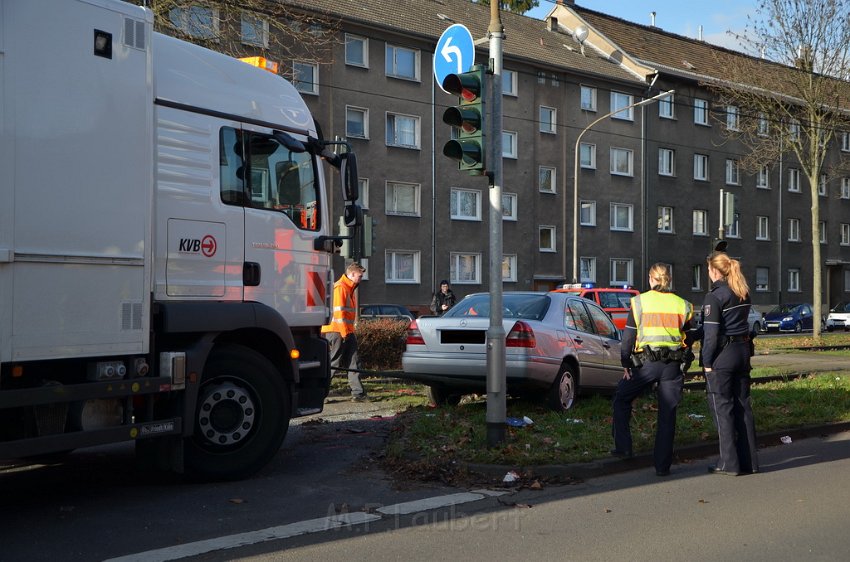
[[241, 417]]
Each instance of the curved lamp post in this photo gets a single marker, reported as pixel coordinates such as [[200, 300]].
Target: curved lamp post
[[576, 169]]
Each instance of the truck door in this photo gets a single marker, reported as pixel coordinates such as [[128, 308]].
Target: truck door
[[283, 215]]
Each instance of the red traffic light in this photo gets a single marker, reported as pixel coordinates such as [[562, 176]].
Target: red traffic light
[[467, 85]]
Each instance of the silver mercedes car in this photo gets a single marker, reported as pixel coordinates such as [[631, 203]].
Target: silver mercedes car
[[557, 345]]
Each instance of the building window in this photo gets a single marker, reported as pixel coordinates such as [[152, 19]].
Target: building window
[[732, 117], [509, 144], [762, 279], [588, 98], [401, 266], [845, 141], [619, 104], [465, 204], [509, 268], [847, 280], [665, 107], [547, 238], [794, 130], [665, 220], [587, 213], [794, 280], [845, 188], [733, 173], [254, 30], [822, 185], [734, 230], [556, 82], [548, 119], [701, 167], [822, 231], [696, 278], [509, 206], [465, 268], [541, 77], [762, 228], [509, 83], [402, 199], [402, 130], [845, 234], [763, 126], [621, 271], [363, 187], [587, 269], [622, 217], [700, 112], [794, 180], [356, 122], [402, 63], [666, 162], [700, 222], [546, 179], [587, 155], [793, 230], [763, 177], [195, 21], [356, 50], [621, 162], [305, 77]]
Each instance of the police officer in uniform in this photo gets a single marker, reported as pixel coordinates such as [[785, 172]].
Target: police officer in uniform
[[652, 351], [726, 351]]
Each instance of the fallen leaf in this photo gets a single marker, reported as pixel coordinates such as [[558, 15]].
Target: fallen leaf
[[608, 510], [536, 485], [702, 501]]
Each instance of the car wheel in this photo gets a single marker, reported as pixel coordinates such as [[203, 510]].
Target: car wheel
[[562, 395], [440, 396], [756, 327], [798, 327], [830, 328]]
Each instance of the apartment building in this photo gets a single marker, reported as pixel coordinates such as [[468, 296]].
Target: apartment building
[[649, 177]]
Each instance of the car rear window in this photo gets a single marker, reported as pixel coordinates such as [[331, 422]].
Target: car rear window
[[526, 307]]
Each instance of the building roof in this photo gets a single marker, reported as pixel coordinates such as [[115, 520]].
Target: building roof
[[527, 40]]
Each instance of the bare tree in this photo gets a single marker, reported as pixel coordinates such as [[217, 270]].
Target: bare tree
[[515, 6], [275, 29], [792, 96]]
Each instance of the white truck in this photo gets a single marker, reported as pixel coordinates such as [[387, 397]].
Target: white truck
[[165, 243]]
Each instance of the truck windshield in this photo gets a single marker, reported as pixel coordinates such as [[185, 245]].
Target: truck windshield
[[257, 171]]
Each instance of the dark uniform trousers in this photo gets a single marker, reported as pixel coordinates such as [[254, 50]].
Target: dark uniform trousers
[[728, 388], [344, 356], [670, 382]]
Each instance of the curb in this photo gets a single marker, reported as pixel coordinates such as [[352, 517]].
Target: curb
[[604, 467]]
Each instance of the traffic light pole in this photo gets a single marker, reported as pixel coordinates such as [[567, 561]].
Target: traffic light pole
[[496, 397]]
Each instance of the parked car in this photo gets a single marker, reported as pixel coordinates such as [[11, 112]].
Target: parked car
[[396, 311], [557, 344], [794, 317], [755, 320], [616, 301], [839, 317]]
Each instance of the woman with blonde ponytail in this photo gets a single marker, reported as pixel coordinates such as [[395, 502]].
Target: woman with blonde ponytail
[[726, 351]]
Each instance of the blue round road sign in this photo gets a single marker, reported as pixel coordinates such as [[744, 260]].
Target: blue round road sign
[[455, 53]]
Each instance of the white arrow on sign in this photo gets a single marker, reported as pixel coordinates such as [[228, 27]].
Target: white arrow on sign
[[448, 50]]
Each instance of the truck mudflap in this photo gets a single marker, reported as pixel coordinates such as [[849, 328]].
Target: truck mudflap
[[314, 378]]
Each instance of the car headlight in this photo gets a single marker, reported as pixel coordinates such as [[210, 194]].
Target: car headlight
[[787, 319]]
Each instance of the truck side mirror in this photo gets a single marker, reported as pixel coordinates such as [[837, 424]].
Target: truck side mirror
[[348, 176]]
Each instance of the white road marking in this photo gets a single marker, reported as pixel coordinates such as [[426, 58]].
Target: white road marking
[[301, 528]]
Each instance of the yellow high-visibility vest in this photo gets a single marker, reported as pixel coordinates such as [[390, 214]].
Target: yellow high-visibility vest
[[660, 317]]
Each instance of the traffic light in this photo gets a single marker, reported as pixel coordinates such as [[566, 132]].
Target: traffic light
[[468, 149]]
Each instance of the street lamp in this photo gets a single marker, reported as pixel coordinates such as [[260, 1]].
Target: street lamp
[[576, 169]]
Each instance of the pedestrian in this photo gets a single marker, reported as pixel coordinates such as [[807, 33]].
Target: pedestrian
[[726, 351], [443, 299], [652, 351], [340, 332]]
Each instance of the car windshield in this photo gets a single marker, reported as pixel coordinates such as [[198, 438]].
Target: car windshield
[[784, 308], [841, 307], [528, 307]]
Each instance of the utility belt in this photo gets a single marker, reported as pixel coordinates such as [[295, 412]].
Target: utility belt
[[663, 354], [733, 339]]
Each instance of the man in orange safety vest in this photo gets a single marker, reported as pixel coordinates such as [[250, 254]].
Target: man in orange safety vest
[[340, 331]]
